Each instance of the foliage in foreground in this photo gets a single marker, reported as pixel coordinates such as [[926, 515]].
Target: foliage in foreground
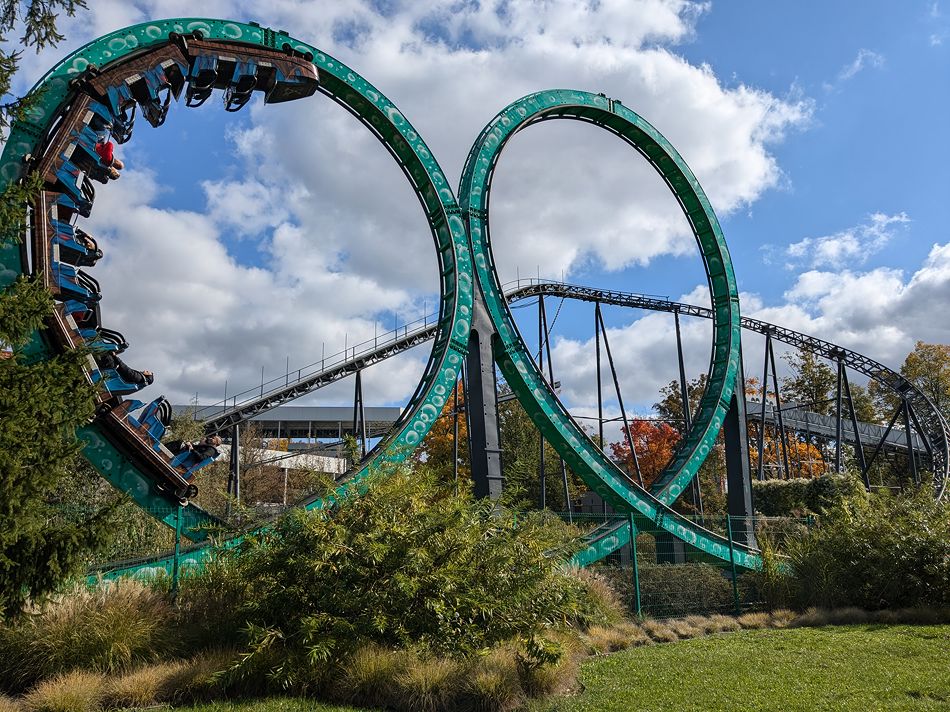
[[804, 495], [876, 552], [404, 564], [108, 629]]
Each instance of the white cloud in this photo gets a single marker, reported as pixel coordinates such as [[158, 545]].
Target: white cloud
[[343, 241], [849, 247], [878, 313]]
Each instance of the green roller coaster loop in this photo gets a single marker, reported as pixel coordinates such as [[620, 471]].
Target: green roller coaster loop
[[530, 386], [458, 245], [385, 121]]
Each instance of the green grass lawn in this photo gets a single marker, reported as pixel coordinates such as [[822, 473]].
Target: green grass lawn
[[865, 668]]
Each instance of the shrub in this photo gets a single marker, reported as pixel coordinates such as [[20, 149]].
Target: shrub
[[435, 572], [800, 496], [76, 691], [109, 629], [599, 602], [885, 551]]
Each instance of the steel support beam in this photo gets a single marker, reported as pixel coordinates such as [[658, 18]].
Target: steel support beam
[[547, 348], [481, 406], [623, 410], [858, 445], [738, 475]]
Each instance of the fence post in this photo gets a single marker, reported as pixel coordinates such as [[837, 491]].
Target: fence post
[[636, 566], [732, 565], [175, 561]]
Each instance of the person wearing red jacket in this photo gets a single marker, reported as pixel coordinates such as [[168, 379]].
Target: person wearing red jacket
[[104, 149]]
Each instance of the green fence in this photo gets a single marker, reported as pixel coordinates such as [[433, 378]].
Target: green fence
[[659, 576]]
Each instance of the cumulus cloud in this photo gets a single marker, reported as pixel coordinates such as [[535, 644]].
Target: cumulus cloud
[[849, 247], [880, 313], [342, 242]]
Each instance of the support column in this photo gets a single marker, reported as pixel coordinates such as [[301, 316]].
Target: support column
[[481, 406], [738, 476], [234, 467]]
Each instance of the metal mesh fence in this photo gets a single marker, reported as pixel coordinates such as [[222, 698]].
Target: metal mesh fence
[[660, 576]]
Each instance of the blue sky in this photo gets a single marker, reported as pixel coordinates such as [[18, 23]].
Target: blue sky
[[817, 129]]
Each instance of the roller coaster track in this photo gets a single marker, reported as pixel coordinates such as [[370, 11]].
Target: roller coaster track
[[133, 66], [931, 423], [411, 335]]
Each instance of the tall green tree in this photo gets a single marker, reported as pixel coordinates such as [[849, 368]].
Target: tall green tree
[[812, 382], [42, 402]]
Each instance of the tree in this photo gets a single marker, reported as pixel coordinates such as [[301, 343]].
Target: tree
[[41, 402], [928, 368], [654, 443], [812, 382], [670, 407], [438, 446]]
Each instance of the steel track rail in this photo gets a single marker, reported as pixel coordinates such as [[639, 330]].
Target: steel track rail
[[933, 424]]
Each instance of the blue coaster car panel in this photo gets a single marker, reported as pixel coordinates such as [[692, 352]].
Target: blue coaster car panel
[[240, 70], [110, 379], [67, 243], [148, 80], [71, 283], [72, 180], [187, 464]]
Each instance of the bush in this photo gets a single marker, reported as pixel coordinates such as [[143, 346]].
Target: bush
[[435, 572], [76, 691], [109, 628], [885, 551], [801, 496]]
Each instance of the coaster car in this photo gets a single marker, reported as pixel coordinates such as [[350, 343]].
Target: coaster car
[[71, 283], [140, 438], [240, 70], [72, 180]]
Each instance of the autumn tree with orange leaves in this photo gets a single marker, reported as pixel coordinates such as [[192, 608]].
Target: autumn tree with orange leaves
[[654, 442], [437, 449]]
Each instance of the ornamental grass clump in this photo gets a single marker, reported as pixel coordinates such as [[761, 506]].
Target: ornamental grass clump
[[76, 691], [109, 628], [144, 686]]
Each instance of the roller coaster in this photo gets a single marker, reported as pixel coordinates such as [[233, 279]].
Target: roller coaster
[[92, 97]]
